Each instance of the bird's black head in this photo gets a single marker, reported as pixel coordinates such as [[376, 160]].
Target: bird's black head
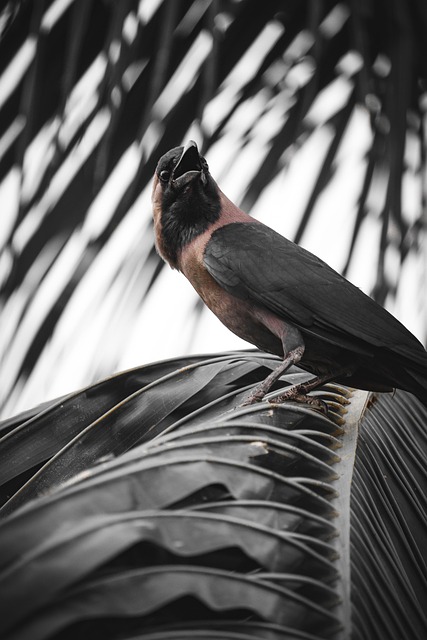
[[186, 200]]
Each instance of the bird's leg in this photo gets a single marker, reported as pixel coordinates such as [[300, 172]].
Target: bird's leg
[[293, 349], [261, 389], [299, 392]]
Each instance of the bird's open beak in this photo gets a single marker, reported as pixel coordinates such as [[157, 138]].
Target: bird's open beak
[[189, 165]]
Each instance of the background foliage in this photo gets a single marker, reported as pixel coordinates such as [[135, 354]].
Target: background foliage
[[312, 115]]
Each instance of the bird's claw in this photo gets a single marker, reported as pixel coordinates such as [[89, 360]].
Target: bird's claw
[[257, 396], [316, 403]]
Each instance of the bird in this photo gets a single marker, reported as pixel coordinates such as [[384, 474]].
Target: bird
[[274, 293]]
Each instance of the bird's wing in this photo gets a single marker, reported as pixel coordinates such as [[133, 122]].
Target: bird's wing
[[253, 262]]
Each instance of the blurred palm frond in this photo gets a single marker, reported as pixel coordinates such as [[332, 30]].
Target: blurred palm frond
[[312, 116]]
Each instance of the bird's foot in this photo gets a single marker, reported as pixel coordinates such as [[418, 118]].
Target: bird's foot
[[295, 394], [258, 393]]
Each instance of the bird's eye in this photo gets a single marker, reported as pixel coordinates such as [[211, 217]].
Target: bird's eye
[[164, 176]]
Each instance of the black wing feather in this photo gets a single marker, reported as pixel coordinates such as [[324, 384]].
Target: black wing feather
[[253, 262]]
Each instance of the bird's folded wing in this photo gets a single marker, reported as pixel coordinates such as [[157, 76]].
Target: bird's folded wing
[[253, 262]]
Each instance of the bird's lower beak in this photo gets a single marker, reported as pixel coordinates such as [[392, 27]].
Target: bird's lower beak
[[189, 165]]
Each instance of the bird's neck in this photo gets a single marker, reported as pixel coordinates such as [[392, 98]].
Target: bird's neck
[[181, 222], [230, 213], [192, 253]]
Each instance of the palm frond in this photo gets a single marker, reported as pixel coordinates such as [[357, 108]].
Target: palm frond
[[188, 515], [389, 553]]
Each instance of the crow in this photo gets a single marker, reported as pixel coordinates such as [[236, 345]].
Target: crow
[[275, 294]]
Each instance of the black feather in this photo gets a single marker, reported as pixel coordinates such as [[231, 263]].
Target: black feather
[[188, 207], [253, 262]]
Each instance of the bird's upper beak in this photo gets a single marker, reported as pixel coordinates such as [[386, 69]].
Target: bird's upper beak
[[189, 166]]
